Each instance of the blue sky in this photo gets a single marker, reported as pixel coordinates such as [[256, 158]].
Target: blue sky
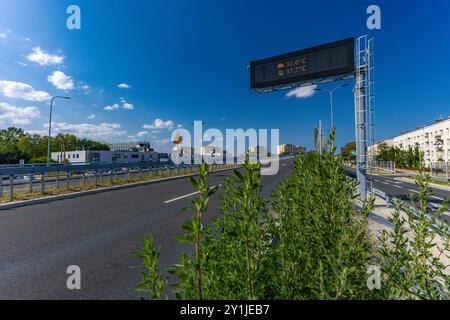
[[186, 61]]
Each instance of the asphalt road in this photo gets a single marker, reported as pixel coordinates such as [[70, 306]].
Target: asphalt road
[[390, 184], [98, 233]]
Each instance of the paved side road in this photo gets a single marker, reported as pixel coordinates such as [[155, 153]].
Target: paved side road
[[98, 233], [401, 189]]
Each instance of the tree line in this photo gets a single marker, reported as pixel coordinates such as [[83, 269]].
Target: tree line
[[407, 159], [16, 145]]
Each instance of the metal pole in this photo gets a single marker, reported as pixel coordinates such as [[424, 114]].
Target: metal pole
[[320, 137], [49, 132], [68, 180], [57, 179], [11, 187], [50, 127], [42, 182], [331, 107], [446, 169], [30, 186], [360, 112]]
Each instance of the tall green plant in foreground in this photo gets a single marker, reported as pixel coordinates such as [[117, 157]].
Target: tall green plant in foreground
[[311, 242], [191, 270], [152, 282], [323, 247], [238, 243], [414, 251]]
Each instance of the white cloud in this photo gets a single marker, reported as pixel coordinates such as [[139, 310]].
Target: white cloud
[[126, 105], [61, 81], [43, 58], [142, 133], [90, 117], [159, 124], [17, 115], [20, 90], [124, 86], [3, 35], [302, 92], [85, 130], [112, 108], [86, 88], [156, 131]]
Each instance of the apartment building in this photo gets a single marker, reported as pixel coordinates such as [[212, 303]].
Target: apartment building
[[287, 149], [433, 140]]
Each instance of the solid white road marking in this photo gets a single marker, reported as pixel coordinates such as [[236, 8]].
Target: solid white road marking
[[185, 196], [437, 198], [182, 197]]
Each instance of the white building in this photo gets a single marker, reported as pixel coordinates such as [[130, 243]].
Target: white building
[[433, 140], [103, 156], [287, 149], [373, 150], [131, 146]]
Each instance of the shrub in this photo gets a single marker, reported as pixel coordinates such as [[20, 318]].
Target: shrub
[[311, 243]]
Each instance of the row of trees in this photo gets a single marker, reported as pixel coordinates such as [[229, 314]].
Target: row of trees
[[408, 159], [15, 145]]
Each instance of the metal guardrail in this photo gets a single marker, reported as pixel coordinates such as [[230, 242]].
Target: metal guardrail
[[392, 200], [38, 169], [82, 175], [26, 179]]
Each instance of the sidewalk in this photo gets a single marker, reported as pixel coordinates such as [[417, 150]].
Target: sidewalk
[[379, 221]]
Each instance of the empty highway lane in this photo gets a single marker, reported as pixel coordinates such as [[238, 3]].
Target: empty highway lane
[[98, 233]]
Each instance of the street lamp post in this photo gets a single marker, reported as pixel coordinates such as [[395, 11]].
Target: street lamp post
[[331, 91], [50, 127]]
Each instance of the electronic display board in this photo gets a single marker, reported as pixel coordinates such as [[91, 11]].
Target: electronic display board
[[332, 59]]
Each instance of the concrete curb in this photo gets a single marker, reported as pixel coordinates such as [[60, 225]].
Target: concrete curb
[[434, 185], [72, 195]]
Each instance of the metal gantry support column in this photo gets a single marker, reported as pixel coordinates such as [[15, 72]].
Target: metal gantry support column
[[364, 107]]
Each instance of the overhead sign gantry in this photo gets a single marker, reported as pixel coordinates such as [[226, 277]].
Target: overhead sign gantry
[[340, 60], [329, 60]]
